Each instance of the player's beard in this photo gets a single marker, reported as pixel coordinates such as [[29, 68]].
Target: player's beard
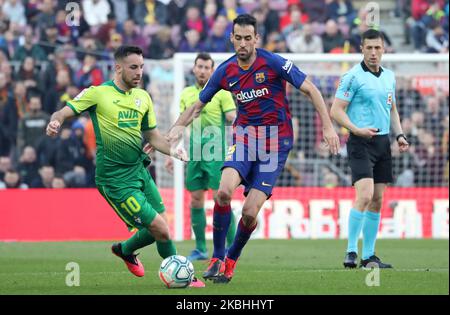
[[130, 83], [201, 82], [244, 56]]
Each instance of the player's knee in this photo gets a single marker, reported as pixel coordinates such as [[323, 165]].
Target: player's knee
[[223, 197], [159, 229], [197, 199], [249, 220], [162, 235], [197, 203], [377, 202], [364, 199], [165, 236], [249, 214]]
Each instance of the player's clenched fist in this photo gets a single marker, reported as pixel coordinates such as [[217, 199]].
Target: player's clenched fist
[[53, 128]]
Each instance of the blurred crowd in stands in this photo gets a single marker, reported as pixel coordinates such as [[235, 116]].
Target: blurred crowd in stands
[[50, 51], [425, 122]]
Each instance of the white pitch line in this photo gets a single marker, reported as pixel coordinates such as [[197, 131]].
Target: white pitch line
[[254, 271], [50, 273], [350, 270]]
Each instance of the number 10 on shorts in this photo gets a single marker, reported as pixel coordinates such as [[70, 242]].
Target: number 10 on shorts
[[131, 206]]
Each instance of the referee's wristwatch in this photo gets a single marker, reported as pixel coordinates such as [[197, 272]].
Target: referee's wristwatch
[[401, 136]]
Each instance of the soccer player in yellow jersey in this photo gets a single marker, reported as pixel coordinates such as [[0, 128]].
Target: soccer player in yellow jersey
[[207, 150], [121, 112]]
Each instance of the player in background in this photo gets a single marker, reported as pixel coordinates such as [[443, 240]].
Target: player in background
[[258, 80], [207, 137], [365, 105], [121, 113]]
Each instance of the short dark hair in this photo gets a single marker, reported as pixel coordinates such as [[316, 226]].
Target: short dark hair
[[124, 51], [434, 25], [12, 170], [204, 56], [245, 19], [371, 34], [33, 94]]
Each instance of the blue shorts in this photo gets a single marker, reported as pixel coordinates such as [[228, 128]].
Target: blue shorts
[[258, 171]]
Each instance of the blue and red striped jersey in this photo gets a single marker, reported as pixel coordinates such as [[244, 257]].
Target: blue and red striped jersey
[[260, 90]]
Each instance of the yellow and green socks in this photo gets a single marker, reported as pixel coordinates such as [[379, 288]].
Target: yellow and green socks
[[140, 239], [198, 223], [231, 230], [166, 249], [143, 238]]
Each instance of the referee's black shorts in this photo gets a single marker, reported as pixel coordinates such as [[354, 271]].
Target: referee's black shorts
[[370, 158]]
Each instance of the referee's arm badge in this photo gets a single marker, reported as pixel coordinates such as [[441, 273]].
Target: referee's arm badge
[[348, 87], [390, 98]]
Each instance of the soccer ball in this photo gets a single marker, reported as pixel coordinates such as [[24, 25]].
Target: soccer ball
[[176, 271]]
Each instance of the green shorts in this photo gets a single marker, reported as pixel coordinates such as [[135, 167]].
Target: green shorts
[[136, 202], [201, 175]]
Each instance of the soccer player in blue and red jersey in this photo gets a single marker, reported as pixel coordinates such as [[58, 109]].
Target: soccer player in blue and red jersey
[[262, 136]]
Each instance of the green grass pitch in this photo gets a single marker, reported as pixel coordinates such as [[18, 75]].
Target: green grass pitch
[[269, 267]]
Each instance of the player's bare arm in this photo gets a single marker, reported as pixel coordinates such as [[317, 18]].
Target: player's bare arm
[[184, 120], [339, 114], [230, 116], [397, 127], [160, 143], [57, 119], [329, 134]]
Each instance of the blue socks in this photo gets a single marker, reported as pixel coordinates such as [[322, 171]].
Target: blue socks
[[370, 230], [355, 224], [242, 236], [221, 223]]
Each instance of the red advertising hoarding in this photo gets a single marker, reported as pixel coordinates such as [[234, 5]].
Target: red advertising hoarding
[[429, 84], [292, 212]]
